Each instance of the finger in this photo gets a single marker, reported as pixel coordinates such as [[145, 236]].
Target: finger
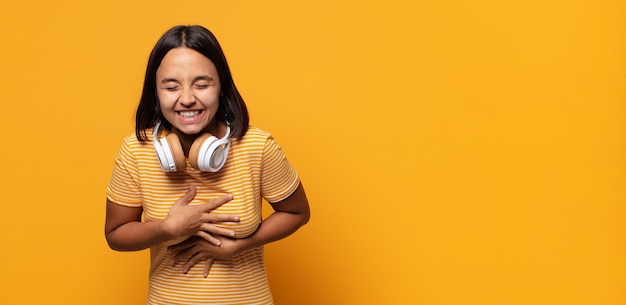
[[187, 243], [183, 257], [215, 218], [208, 237], [207, 267], [188, 197], [177, 257], [216, 203], [215, 230], [174, 249], [192, 262]]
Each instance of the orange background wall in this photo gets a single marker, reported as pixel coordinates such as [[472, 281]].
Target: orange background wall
[[454, 152]]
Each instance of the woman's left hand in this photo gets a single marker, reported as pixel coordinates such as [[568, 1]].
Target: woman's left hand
[[194, 250], [289, 215]]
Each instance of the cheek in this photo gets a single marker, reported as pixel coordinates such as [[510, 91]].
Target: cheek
[[165, 99], [210, 101]]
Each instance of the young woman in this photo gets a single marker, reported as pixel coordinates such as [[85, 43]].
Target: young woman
[[196, 172]]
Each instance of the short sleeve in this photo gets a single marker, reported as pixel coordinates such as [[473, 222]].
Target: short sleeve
[[123, 187], [278, 178]]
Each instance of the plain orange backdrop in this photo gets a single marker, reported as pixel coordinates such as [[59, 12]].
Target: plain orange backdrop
[[454, 152]]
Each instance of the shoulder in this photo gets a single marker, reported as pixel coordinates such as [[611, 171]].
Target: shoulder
[[253, 144], [131, 144], [254, 135]]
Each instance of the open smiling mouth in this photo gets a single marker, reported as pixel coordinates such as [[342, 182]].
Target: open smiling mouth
[[189, 114]]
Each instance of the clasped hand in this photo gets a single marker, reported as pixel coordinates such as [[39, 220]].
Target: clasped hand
[[184, 220], [197, 223], [194, 250]]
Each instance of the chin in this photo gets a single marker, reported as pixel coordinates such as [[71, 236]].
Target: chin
[[191, 130]]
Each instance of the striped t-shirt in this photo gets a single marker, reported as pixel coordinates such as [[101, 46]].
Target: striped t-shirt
[[256, 168]]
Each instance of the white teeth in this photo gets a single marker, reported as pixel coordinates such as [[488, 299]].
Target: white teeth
[[189, 114]]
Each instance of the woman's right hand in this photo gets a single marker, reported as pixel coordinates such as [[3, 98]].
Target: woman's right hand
[[184, 220]]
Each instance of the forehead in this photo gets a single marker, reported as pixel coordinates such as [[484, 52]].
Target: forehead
[[182, 61]]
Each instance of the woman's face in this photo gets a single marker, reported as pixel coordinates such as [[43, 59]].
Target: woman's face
[[188, 89]]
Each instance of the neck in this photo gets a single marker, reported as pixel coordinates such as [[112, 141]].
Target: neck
[[215, 128]]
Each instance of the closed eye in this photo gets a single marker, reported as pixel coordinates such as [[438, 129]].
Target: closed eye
[[171, 88], [170, 84]]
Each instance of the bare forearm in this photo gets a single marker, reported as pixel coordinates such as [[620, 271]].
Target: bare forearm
[[290, 214], [275, 227], [125, 231], [135, 236]]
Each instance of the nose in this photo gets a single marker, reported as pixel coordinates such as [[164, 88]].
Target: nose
[[186, 98]]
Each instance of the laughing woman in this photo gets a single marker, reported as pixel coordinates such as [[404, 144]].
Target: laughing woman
[[188, 184]]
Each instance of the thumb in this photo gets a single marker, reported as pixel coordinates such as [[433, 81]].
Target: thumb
[[188, 197]]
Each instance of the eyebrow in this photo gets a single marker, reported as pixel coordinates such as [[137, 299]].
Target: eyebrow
[[197, 78]]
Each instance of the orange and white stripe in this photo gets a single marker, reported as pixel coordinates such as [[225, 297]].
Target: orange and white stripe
[[256, 168]]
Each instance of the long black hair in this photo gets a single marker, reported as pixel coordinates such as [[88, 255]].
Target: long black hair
[[231, 105]]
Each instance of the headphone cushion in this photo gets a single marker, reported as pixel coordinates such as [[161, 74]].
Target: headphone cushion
[[194, 151], [177, 151]]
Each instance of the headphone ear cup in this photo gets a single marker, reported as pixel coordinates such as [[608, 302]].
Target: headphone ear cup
[[194, 151], [177, 151]]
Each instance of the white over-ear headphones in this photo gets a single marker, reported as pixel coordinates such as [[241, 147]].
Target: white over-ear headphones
[[207, 153]]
